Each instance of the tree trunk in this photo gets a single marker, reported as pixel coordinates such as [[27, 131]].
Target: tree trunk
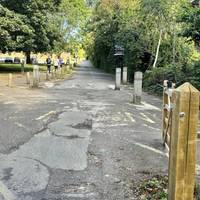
[[158, 49], [28, 57], [174, 47]]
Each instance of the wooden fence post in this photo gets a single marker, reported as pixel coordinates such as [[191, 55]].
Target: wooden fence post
[[183, 143]]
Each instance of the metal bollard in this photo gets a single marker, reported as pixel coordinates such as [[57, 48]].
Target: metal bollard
[[137, 96], [118, 79]]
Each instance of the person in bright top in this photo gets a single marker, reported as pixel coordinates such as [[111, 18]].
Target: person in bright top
[[48, 61], [57, 64], [61, 62]]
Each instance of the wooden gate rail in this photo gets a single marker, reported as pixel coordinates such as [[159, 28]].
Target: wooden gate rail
[[167, 112]]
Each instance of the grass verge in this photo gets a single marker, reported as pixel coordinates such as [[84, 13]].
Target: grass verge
[[8, 68]]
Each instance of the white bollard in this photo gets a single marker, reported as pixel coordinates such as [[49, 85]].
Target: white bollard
[[36, 76], [137, 96], [124, 75], [27, 77], [10, 80], [118, 79]]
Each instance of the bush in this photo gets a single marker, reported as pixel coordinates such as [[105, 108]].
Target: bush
[[153, 80], [196, 75]]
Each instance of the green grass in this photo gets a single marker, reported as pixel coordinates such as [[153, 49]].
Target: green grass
[[8, 68]]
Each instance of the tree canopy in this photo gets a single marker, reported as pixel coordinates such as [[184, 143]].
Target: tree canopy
[[12, 28], [148, 29], [191, 17], [40, 26]]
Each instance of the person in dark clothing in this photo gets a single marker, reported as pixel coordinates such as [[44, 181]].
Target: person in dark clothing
[[48, 61]]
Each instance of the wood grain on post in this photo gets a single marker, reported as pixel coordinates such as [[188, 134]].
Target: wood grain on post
[[183, 143], [192, 143]]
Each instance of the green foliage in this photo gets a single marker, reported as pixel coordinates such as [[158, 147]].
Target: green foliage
[[136, 25], [41, 26], [5, 68], [36, 15], [197, 191], [196, 74], [12, 27], [153, 80], [190, 15]]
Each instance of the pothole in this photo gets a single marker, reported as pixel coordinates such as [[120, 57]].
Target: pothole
[[71, 137], [87, 124]]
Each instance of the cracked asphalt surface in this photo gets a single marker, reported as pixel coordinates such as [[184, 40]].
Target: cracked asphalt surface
[[78, 139]]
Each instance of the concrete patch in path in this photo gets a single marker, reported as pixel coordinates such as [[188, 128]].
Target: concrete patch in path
[[73, 117], [21, 175], [56, 152]]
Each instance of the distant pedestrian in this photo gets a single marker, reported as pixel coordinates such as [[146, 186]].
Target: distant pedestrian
[[57, 64], [48, 61], [67, 62], [61, 62]]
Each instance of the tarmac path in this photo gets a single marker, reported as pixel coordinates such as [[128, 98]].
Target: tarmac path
[[78, 139]]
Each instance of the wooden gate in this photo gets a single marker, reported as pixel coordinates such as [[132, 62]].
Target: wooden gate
[[180, 124], [167, 112]]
